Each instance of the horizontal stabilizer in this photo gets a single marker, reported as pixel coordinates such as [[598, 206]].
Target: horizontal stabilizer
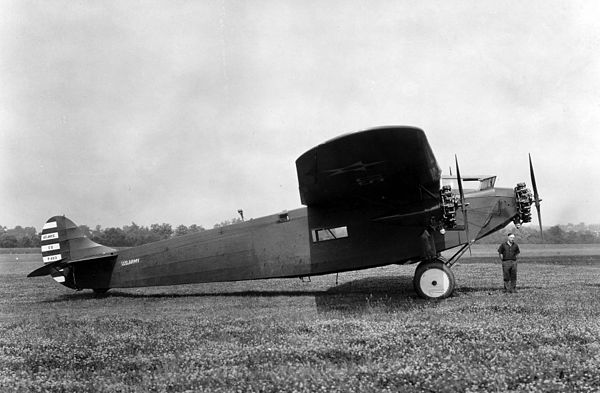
[[44, 270], [50, 267]]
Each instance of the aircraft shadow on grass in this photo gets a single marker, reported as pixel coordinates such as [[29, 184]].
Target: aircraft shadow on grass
[[364, 295], [357, 296], [394, 293]]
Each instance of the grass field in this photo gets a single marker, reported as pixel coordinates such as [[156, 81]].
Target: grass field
[[369, 333]]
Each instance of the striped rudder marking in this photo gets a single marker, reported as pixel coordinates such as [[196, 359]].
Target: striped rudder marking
[[54, 242]]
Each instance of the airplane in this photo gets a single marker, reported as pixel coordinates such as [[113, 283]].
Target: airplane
[[371, 198]]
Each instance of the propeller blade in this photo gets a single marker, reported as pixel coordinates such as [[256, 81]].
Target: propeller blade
[[536, 196], [533, 183], [459, 179], [462, 200]]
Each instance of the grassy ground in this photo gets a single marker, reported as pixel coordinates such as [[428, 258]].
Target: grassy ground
[[369, 333], [28, 250]]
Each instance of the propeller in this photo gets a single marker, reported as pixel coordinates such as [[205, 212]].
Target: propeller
[[462, 201], [536, 196]]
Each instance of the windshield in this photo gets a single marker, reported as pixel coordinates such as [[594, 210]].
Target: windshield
[[470, 184]]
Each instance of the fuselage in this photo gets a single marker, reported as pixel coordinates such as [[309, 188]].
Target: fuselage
[[301, 242]]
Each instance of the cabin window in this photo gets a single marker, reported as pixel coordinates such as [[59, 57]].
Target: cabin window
[[321, 235]]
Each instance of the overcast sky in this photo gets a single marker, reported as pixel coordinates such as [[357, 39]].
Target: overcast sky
[[185, 111]]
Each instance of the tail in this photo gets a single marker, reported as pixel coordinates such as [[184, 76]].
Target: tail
[[64, 246]]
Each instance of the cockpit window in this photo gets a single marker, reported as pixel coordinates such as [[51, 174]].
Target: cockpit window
[[470, 184], [488, 183]]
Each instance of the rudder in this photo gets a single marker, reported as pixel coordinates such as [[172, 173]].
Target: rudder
[[63, 244]]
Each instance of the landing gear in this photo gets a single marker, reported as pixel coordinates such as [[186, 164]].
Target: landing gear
[[434, 280]]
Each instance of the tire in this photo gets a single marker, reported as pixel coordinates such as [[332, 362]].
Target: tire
[[433, 280]]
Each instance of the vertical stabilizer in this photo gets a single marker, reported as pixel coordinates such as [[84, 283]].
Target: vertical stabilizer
[[63, 244]]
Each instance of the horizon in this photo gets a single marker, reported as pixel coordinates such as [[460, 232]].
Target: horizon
[[174, 226]]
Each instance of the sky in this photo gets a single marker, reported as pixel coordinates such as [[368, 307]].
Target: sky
[[183, 112]]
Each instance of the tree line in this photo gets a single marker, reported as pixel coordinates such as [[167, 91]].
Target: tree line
[[126, 236], [135, 235], [557, 234]]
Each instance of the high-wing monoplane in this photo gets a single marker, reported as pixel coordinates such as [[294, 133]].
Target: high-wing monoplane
[[372, 198]]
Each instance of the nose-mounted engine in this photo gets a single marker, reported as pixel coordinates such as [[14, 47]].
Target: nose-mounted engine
[[524, 200]]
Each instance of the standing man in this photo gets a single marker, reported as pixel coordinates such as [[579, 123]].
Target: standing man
[[508, 252]]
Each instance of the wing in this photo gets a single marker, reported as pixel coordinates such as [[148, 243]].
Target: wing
[[394, 165]]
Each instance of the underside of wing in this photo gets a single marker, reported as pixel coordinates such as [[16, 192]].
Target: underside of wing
[[391, 165]]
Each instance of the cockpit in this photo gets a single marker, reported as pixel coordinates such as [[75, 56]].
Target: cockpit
[[470, 183]]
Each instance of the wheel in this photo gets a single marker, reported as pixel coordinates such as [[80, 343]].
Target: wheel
[[433, 280], [100, 291]]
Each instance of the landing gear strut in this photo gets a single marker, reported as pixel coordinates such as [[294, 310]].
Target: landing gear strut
[[434, 280]]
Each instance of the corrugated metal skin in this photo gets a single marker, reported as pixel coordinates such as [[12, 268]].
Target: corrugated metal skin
[[261, 248]]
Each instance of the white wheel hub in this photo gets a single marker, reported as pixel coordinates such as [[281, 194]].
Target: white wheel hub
[[434, 282]]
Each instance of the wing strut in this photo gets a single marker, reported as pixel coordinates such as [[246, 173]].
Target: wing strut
[[463, 203]]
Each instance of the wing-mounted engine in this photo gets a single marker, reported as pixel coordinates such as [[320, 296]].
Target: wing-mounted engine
[[449, 203]]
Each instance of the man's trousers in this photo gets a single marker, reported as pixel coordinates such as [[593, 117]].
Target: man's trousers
[[509, 270]]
